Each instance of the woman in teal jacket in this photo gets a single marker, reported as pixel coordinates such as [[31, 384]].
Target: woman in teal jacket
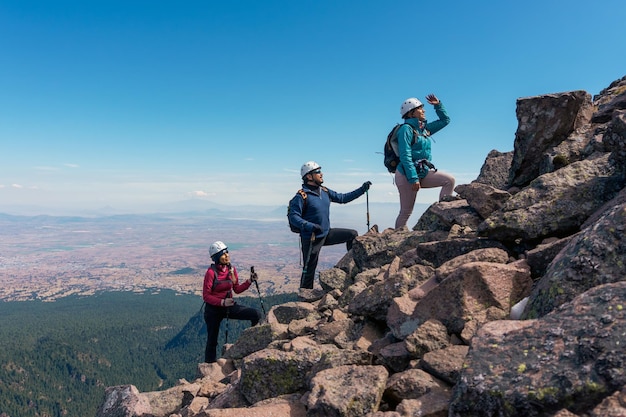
[[414, 170]]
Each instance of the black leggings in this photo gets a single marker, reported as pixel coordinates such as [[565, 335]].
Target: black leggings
[[334, 237], [213, 317]]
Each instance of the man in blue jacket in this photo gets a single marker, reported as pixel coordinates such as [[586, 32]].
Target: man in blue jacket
[[309, 211]]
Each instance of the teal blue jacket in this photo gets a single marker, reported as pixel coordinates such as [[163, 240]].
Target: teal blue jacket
[[408, 154]]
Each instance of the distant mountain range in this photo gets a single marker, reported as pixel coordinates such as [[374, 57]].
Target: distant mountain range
[[353, 215]]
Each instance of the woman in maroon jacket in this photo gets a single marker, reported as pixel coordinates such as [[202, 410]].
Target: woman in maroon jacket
[[220, 280]]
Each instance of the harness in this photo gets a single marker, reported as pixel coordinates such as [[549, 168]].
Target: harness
[[425, 163]]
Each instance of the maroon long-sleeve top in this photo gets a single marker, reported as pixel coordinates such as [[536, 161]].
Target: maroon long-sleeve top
[[227, 282]]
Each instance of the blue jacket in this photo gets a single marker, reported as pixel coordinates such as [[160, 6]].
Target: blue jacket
[[317, 210], [408, 154]]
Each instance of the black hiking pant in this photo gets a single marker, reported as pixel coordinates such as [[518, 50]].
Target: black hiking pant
[[334, 237], [213, 317]]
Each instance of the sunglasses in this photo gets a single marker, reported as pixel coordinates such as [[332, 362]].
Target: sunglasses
[[317, 171]]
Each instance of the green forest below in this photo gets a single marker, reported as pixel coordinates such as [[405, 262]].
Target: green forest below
[[58, 357]]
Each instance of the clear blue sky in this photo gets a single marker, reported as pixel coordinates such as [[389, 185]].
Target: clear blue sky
[[134, 104]]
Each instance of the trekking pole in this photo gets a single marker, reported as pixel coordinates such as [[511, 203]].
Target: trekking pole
[[308, 256], [257, 289], [367, 203], [227, 326], [229, 294]]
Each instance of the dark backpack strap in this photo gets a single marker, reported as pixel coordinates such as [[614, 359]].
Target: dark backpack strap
[[215, 280], [414, 133], [394, 133], [304, 196]]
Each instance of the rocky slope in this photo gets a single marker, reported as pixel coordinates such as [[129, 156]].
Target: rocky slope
[[510, 301]]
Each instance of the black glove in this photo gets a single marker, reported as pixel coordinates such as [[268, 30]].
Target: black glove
[[317, 229], [366, 185]]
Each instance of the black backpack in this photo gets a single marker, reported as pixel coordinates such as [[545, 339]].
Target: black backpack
[[292, 227], [392, 160]]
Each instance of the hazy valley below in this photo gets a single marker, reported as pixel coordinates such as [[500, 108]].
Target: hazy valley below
[[50, 257]]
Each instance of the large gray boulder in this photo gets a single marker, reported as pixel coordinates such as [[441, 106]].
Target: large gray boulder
[[544, 122], [570, 358], [555, 204], [476, 292], [594, 257], [347, 391], [495, 170]]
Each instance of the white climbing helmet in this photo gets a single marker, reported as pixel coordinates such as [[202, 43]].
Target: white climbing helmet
[[408, 105], [217, 249], [308, 167]]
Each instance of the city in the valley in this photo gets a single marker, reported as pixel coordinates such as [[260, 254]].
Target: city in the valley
[[45, 257]]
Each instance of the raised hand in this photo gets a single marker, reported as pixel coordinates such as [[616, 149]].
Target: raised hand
[[432, 99]]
